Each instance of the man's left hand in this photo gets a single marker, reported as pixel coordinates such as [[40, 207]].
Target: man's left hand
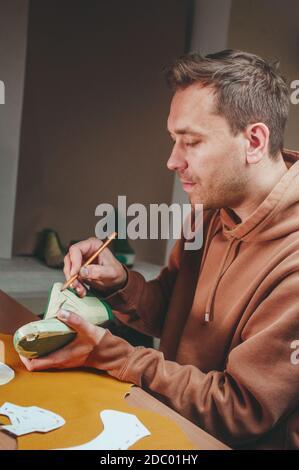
[[75, 354]]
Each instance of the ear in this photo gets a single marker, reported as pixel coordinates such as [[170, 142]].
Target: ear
[[257, 136]]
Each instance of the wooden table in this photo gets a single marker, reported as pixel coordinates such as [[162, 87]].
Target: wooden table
[[13, 315]]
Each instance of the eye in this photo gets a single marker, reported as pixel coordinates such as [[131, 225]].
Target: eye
[[192, 144]]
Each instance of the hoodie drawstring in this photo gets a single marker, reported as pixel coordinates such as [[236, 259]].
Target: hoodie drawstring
[[209, 308], [212, 230]]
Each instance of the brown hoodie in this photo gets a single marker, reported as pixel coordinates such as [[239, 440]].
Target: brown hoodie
[[226, 315]]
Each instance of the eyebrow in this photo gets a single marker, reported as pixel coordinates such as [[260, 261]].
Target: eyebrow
[[186, 130]]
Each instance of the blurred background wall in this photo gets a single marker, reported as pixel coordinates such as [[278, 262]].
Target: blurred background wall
[[95, 110], [270, 28], [13, 34], [92, 124]]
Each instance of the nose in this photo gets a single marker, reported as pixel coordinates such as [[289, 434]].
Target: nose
[[176, 160]]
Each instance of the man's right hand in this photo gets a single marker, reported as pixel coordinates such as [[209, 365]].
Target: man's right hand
[[106, 274]]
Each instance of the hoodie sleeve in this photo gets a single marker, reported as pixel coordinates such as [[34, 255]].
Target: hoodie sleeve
[[258, 386], [143, 305]]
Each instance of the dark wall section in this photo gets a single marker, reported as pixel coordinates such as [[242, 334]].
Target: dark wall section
[[95, 110]]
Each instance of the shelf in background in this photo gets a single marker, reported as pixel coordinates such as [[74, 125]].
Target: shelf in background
[[28, 280]]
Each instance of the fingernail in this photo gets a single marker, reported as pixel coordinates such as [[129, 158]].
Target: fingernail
[[63, 314], [84, 272]]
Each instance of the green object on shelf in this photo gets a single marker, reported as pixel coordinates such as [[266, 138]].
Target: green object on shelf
[[121, 247], [49, 249], [124, 252], [44, 336]]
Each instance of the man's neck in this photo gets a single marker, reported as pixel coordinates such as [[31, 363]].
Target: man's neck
[[259, 188]]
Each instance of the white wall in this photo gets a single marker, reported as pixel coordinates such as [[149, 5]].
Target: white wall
[[209, 34], [13, 32]]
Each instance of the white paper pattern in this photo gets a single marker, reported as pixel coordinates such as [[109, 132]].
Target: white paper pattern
[[6, 374], [121, 430], [25, 420]]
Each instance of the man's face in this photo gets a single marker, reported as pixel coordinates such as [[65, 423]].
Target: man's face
[[209, 160]]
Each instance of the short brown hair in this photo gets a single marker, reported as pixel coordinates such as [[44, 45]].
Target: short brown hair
[[248, 89]]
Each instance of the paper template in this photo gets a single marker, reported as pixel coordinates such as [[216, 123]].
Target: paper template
[[121, 430], [6, 374], [25, 420]]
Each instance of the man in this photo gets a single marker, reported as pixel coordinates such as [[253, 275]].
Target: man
[[227, 314]]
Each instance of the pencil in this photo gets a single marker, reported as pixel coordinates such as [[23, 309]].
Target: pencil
[[90, 260]]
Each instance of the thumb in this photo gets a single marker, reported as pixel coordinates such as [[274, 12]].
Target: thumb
[[95, 272], [81, 326]]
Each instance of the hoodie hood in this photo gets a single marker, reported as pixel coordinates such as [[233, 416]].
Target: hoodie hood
[[276, 217], [271, 218]]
